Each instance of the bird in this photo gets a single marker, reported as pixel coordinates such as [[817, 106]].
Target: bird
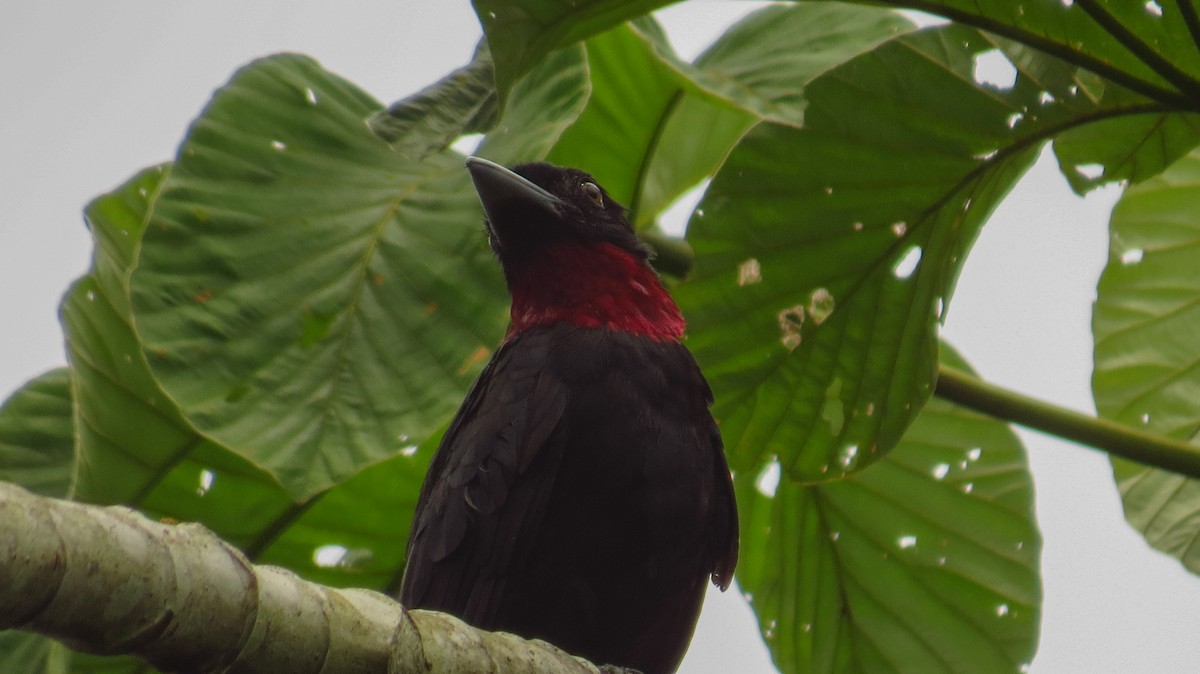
[[581, 494]]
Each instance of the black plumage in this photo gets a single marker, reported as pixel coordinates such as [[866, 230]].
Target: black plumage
[[581, 494]]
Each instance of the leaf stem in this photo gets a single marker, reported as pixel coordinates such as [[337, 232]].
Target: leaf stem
[[660, 126], [1116, 439]]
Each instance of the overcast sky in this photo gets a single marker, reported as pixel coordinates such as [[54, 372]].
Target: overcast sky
[[93, 91]]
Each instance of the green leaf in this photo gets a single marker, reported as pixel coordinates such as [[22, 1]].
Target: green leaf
[[925, 562], [128, 430], [1145, 47], [426, 122], [1128, 136], [1141, 54], [865, 215], [826, 254], [655, 126], [140, 451], [30, 653], [136, 447], [37, 436], [25, 652], [765, 61], [117, 221], [303, 293], [1144, 322], [1132, 148], [523, 32], [636, 92], [543, 104], [356, 534]]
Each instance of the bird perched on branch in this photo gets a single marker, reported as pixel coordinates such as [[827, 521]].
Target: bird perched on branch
[[581, 494]]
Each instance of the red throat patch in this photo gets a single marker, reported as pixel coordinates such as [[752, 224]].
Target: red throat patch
[[592, 286]]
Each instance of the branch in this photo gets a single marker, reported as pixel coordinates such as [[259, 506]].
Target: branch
[[1123, 441], [111, 581]]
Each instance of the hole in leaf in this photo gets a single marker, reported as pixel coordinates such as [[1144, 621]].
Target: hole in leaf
[[907, 263], [992, 68], [767, 481]]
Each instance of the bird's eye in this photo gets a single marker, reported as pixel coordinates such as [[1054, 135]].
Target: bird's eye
[[592, 190]]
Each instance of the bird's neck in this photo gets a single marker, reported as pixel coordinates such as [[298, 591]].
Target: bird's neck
[[592, 286]]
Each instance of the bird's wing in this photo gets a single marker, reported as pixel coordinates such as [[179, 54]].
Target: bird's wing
[[484, 480], [725, 537]]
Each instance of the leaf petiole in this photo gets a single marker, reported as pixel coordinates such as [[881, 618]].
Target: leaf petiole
[[1117, 439]]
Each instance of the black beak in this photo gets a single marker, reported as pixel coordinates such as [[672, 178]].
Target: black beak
[[502, 191]]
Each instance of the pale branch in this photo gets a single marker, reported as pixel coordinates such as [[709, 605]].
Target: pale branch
[[109, 580], [1116, 439]]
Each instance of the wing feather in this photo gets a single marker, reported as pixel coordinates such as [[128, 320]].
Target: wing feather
[[473, 507]]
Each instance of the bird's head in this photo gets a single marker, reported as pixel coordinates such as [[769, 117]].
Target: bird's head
[[569, 253], [538, 205]]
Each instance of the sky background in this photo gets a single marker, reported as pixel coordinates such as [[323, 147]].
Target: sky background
[[94, 91]]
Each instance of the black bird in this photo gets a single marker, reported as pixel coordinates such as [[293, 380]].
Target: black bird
[[581, 494]]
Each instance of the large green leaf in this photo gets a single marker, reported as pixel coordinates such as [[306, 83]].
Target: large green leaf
[[1131, 147], [543, 104], [356, 533], [826, 254], [1129, 137], [25, 652], [140, 451], [523, 32], [29, 653], [37, 435], [1147, 47], [306, 295], [821, 244], [765, 61], [925, 562], [1139, 56], [1132, 138], [655, 126], [1144, 46], [635, 92], [117, 221], [1147, 357], [135, 446], [460, 103]]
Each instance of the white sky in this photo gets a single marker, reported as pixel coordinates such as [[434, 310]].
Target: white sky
[[95, 91]]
